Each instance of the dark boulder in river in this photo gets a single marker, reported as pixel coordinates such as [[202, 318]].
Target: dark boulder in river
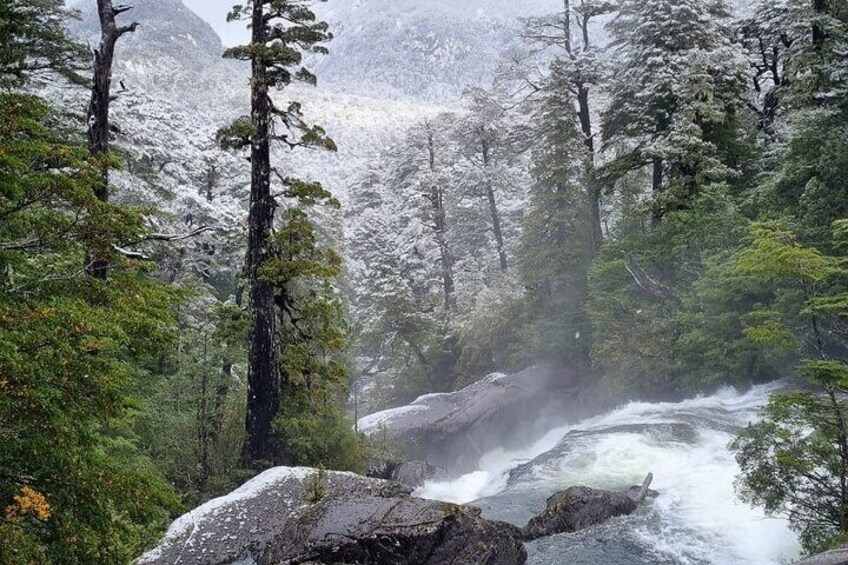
[[453, 430], [578, 508], [299, 515]]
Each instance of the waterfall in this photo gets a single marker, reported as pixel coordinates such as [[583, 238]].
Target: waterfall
[[697, 519]]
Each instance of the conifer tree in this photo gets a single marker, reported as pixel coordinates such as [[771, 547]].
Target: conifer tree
[[579, 60], [35, 42], [283, 31], [675, 96], [558, 239], [73, 485]]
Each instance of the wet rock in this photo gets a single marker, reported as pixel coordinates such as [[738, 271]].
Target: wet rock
[[578, 508], [838, 556], [453, 430], [298, 515], [415, 473], [403, 531]]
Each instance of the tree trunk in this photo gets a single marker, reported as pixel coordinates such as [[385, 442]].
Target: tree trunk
[[584, 112], [98, 109], [496, 226], [657, 189], [222, 389], [203, 421], [819, 34], [437, 200], [493, 207], [263, 396]]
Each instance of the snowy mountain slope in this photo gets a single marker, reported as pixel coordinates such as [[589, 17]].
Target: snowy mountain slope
[[180, 90], [423, 49], [392, 63]]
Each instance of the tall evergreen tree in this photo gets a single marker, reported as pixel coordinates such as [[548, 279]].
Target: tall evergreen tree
[[558, 237], [283, 31], [583, 68], [675, 95]]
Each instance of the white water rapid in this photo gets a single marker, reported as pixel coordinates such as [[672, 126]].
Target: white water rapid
[[696, 520]]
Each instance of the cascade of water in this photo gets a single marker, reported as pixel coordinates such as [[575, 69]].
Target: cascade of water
[[697, 519]]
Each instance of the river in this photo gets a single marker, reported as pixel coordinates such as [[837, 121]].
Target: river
[[696, 519]]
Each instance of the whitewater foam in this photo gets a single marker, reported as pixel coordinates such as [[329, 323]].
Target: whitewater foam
[[697, 519]]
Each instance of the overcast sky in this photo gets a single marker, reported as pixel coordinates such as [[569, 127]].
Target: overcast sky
[[215, 12]]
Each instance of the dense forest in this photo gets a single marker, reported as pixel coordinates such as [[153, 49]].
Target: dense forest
[[651, 192]]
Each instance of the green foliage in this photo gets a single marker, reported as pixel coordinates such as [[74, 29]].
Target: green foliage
[[191, 409], [70, 348], [680, 328], [311, 427], [290, 31], [314, 487], [498, 335], [795, 461], [557, 244], [34, 41]]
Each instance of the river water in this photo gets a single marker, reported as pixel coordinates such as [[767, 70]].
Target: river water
[[697, 518]]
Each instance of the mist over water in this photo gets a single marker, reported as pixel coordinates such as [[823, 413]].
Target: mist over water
[[697, 519]]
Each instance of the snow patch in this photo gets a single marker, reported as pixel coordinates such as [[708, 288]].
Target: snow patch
[[251, 489], [374, 422], [430, 396]]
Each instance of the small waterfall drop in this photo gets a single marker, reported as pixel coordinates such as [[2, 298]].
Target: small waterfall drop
[[697, 519]]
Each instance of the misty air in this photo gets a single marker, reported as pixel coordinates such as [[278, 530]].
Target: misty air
[[424, 282]]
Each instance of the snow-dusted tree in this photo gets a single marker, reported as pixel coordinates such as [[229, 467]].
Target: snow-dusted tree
[[283, 31], [810, 182], [675, 94], [400, 285], [582, 64], [767, 36], [558, 238], [421, 177], [31, 48], [487, 167]]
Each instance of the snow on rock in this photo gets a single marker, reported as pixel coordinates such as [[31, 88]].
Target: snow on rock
[[374, 422], [229, 526], [453, 429], [281, 516]]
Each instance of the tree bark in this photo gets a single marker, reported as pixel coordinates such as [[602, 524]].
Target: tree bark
[[263, 397], [584, 112], [493, 206], [819, 34], [437, 199], [657, 189], [203, 421], [98, 108]]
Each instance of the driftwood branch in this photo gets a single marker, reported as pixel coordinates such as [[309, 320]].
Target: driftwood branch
[[646, 282], [646, 485]]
